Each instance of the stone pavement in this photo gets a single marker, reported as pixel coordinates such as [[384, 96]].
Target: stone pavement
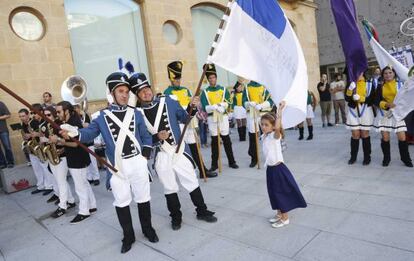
[[354, 213]]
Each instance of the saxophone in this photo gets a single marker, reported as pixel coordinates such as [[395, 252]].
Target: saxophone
[[35, 147], [50, 151]]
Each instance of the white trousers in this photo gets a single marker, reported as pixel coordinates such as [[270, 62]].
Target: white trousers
[[239, 112], [40, 170], [83, 190], [251, 122], [60, 173], [135, 177], [168, 169], [93, 171], [223, 125]]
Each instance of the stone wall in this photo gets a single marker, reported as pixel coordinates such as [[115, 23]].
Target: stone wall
[[30, 68]]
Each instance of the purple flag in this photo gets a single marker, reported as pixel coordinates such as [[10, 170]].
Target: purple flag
[[346, 22]]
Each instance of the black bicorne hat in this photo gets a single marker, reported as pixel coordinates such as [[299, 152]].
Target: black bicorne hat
[[115, 80], [138, 81], [175, 70]]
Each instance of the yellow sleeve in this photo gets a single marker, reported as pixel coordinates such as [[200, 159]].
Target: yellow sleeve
[[349, 93], [383, 105]]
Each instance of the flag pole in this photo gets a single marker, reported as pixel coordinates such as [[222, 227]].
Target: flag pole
[[203, 74], [55, 126]]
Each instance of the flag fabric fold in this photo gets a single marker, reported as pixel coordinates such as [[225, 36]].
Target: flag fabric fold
[[346, 22], [404, 100], [383, 57], [258, 43]]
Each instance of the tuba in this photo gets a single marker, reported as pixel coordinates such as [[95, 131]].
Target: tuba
[[74, 90], [50, 151]]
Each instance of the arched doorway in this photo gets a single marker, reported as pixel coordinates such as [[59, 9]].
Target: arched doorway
[[101, 31], [205, 22]]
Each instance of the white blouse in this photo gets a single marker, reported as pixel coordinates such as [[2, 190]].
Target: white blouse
[[272, 150]]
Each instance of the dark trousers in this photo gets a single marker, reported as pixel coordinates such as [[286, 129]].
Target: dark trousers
[[203, 132], [9, 159]]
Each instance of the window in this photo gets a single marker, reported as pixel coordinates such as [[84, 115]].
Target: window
[[27, 23], [101, 31], [205, 21]]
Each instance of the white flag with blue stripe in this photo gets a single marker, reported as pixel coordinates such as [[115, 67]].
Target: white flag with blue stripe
[[258, 43]]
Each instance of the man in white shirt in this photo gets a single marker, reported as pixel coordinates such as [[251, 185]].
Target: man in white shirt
[[337, 89]]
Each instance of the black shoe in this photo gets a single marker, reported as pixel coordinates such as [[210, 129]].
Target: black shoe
[[209, 174], [92, 210], [37, 191], [57, 202], [175, 226], [323, 125], [151, 236], [213, 168], [207, 218], [96, 182], [10, 166], [234, 166], [3, 166], [71, 205], [310, 137], [300, 138], [408, 164], [366, 162], [90, 181], [58, 213], [79, 218], [253, 163], [52, 199], [47, 192], [385, 163], [126, 247], [330, 125], [351, 161]]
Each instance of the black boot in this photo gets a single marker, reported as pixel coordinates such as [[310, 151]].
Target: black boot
[[310, 130], [301, 130], [144, 213], [354, 150], [201, 208], [229, 151], [173, 205], [385, 146], [366, 147], [243, 137], [214, 153], [252, 150], [125, 220], [405, 154]]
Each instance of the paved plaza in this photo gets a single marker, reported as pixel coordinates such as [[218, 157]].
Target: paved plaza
[[354, 213]]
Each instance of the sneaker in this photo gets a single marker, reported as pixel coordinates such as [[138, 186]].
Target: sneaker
[[93, 210], [58, 213], [52, 199], [90, 181], [280, 223], [71, 205], [96, 182], [57, 202], [274, 219], [37, 191], [29, 164], [79, 218], [47, 192], [330, 125]]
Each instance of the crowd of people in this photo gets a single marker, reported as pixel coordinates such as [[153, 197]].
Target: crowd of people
[[129, 136]]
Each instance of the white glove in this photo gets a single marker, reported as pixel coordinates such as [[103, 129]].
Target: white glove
[[220, 109], [72, 130], [259, 107], [352, 86], [356, 97], [44, 139], [211, 108], [252, 104]]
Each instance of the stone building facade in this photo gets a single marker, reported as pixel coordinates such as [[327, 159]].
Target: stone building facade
[[32, 67]]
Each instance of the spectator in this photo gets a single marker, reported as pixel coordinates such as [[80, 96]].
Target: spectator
[[47, 100], [337, 91], [325, 97], [4, 137]]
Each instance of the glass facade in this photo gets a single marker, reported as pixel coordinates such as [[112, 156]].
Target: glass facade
[[101, 31]]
